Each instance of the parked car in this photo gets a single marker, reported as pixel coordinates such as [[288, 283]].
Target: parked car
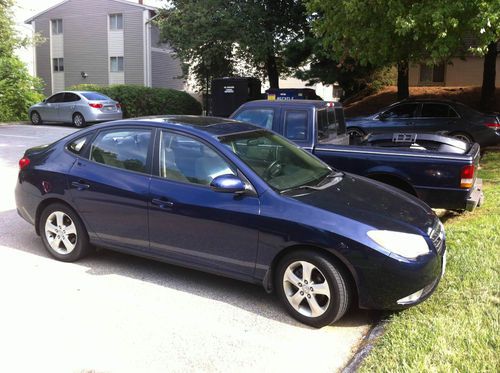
[[233, 199], [76, 107], [441, 174], [451, 118]]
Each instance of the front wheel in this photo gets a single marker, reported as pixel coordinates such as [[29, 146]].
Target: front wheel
[[78, 120], [312, 288], [63, 233], [36, 119]]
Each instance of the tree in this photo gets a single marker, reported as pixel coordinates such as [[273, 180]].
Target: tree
[[220, 37], [18, 89]]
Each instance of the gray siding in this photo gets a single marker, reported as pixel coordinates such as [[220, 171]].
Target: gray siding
[[42, 53], [133, 37], [166, 71], [85, 41]]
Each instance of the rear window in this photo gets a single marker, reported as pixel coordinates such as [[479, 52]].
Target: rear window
[[94, 96]]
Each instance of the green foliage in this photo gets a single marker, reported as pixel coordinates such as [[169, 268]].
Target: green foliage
[[140, 101], [218, 38]]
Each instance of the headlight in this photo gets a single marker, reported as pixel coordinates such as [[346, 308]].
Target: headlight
[[404, 244]]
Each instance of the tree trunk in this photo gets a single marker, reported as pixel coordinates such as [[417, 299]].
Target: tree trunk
[[489, 76], [272, 71], [403, 81]]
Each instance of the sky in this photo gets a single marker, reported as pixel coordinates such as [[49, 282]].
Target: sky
[[24, 9]]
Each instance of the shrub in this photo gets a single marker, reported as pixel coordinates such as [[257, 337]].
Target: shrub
[[140, 101], [18, 90]]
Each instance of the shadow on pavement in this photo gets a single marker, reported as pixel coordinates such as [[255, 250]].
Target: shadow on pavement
[[16, 234]]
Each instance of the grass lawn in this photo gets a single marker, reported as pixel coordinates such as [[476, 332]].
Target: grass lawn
[[457, 328]]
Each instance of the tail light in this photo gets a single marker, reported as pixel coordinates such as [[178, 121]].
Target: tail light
[[467, 176], [492, 125], [23, 163], [96, 106], [118, 105]]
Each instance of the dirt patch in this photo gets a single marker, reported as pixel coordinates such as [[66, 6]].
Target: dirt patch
[[371, 104]]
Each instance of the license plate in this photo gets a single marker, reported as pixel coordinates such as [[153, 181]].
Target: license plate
[[443, 267], [109, 108]]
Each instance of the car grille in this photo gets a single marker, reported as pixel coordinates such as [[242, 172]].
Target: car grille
[[437, 236]]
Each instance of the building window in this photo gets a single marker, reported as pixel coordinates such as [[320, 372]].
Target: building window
[[116, 21], [116, 64], [432, 74], [58, 64], [57, 27]]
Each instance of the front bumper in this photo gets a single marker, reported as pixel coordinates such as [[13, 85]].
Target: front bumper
[[476, 197]]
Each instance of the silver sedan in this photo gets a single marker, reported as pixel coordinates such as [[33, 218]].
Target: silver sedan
[[77, 107]]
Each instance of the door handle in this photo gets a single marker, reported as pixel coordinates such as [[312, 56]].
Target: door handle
[[162, 203], [80, 185]]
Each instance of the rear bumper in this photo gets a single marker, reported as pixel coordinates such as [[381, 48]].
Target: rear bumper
[[476, 196], [94, 116]]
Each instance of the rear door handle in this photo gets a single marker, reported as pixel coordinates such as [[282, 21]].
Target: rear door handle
[[162, 203], [80, 185]]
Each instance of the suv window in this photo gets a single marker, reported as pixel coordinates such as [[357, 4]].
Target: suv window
[[260, 117], [122, 148], [438, 111], [401, 111], [296, 124], [71, 97], [58, 97], [185, 159]]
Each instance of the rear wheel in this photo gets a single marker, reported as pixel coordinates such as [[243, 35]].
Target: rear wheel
[[78, 120], [63, 233], [36, 119], [312, 288], [463, 136]]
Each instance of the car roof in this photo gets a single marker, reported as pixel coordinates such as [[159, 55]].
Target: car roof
[[315, 103], [212, 126]]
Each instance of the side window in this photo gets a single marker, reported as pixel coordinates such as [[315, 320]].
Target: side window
[[76, 146], [71, 97], [438, 111], [185, 159], [260, 117], [296, 124], [122, 148], [59, 97], [116, 21], [401, 111]]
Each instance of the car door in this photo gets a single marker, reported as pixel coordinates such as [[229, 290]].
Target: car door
[[49, 109], [436, 117], [110, 184], [67, 107], [190, 222], [398, 118]]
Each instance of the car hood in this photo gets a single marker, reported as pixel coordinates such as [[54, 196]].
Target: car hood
[[372, 203]]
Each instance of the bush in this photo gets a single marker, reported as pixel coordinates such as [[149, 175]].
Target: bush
[[18, 90], [138, 101]]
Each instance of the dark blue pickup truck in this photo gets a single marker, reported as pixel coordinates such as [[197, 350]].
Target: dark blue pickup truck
[[439, 170]]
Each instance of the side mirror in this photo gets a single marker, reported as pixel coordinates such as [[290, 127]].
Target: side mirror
[[228, 184], [44, 101]]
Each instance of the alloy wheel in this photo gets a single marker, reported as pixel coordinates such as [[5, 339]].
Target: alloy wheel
[[78, 120], [35, 118], [306, 289], [60, 232]]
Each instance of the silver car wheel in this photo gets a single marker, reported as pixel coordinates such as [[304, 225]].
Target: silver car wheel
[[306, 289], [35, 118], [60, 232], [464, 138], [78, 120]]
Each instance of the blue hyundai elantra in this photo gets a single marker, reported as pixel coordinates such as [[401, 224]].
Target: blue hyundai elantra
[[233, 199]]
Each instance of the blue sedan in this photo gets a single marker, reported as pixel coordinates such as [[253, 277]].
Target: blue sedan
[[233, 199]]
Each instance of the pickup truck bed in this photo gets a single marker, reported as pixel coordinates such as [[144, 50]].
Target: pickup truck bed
[[438, 170]]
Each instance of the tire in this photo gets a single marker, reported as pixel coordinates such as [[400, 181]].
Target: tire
[[35, 118], [355, 132], [463, 136], [316, 300], [78, 120], [58, 220]]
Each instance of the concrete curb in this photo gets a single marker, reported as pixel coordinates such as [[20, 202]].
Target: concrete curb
[[366, 346]]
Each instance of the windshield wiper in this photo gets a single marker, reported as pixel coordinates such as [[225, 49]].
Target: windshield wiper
[[319, 186]]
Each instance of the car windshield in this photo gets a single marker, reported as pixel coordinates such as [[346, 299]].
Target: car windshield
[[278, 162], [94, 96]]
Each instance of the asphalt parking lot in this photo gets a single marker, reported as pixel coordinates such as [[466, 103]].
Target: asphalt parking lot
[[117, 313]]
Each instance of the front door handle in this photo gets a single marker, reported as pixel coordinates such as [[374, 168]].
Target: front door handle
[[162, 203], [80, 185]]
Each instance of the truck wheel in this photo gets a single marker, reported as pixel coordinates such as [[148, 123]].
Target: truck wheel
[[312, 288]]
